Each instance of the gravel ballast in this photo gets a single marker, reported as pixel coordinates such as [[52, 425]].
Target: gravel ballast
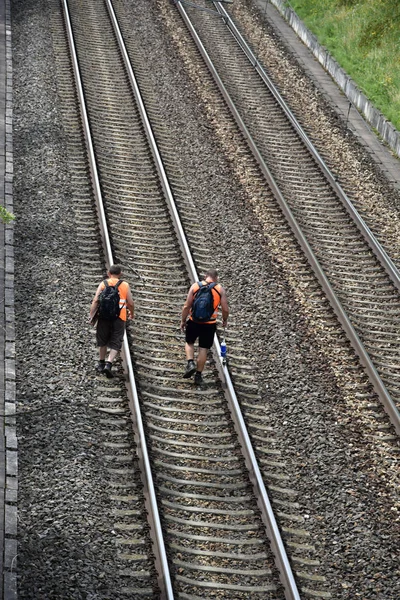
[[311, 383]]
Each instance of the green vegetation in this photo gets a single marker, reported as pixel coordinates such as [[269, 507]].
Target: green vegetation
[[6, 216], [364, 37]]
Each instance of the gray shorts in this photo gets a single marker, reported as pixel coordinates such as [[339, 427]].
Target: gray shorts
[[110, 333]]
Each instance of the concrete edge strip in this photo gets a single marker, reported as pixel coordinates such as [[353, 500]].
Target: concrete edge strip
[[11, 445], [372, 115]]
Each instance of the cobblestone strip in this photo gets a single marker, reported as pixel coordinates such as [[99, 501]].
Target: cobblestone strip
[[11, 446]]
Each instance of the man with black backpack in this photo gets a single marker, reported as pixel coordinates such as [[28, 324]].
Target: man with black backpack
[[111, 306], [202, 303]]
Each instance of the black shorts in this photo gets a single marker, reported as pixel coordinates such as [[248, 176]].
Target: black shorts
[[110, 333], [204, 331]]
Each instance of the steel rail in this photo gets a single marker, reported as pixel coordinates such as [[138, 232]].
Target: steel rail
[[369, 237], [161, 562], [154, 148], [264, 504], [358, 346]]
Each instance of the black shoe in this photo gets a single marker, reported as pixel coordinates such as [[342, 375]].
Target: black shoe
[[100, 366], [190, 369], [198, 378], [107, 370]]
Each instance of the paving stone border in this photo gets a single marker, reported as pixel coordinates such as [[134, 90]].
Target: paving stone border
[[10, 433], [389, 134]]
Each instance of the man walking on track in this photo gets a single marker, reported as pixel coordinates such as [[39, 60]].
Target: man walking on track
[[111, 306], [202, 303]]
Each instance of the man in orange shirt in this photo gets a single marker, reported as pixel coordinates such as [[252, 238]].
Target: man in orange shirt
[[110, 331], [205, 329]]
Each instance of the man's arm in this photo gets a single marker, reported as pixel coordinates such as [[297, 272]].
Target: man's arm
[[224, 308], [186, 308], [129, 304], [95, 303]]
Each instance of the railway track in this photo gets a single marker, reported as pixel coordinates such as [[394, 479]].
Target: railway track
[[213, 528], [144, 240], [168, 417], [117, 549], [356, 273], [215, 532]]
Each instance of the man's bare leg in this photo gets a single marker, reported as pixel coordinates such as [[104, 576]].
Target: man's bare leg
[[107, 369], [102, 357], [112, 355], [191, 367], [189, 350], [201, 359]]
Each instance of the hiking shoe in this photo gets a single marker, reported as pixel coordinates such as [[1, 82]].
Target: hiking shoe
[[100, 366], [107, 370], [198, 378], [190, 369]]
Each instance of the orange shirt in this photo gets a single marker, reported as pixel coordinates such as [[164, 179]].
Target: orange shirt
[[123, 294]]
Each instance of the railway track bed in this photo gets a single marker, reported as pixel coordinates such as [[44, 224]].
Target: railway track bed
[[281, 360]]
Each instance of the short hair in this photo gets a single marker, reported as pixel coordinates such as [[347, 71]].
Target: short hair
[[213, 273], [115, 270]]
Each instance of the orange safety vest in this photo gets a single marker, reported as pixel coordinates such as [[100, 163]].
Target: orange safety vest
[[123, 294], [216, 292]]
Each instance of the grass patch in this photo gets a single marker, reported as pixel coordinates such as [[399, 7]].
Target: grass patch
[[364, 37], [5, 216]]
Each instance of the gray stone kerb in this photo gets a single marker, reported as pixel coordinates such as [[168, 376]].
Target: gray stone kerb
[[9, 588], [389, 134]]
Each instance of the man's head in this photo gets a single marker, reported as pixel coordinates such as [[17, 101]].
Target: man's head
[[211, 274], [115, 270]]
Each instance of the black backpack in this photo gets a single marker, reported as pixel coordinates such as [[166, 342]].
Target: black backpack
[[109, 308], [203, 303]]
